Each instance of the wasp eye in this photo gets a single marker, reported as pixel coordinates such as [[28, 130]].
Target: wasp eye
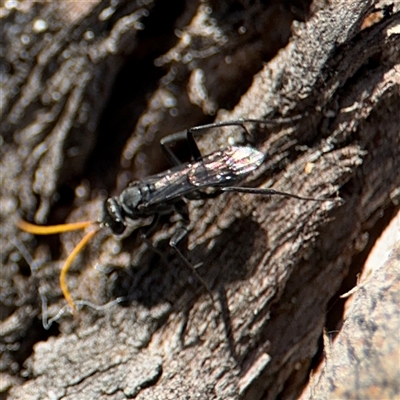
[[112, 216]]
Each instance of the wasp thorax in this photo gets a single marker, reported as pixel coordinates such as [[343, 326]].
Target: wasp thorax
[[130, 199]]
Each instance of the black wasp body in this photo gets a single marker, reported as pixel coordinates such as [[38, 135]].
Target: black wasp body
[[202, 178], [163, 193]]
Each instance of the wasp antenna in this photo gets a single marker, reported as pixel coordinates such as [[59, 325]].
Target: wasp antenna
[[65, 268], [51, 229]]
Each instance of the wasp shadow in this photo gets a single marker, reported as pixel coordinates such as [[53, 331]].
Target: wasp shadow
[[230, 257]]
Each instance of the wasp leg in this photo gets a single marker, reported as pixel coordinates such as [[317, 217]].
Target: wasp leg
[[189, 133], [178, 236], [144, 236], [148, 230], [240, 122], [166, 141], [271, 192], [199, 195], [180, 137]]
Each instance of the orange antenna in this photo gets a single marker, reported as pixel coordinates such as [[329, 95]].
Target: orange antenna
[[65, 268], [52, 229]]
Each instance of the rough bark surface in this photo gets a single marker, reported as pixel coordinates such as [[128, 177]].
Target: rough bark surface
[[88, 90]]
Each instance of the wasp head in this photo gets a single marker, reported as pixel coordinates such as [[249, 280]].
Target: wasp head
[[113, 216]]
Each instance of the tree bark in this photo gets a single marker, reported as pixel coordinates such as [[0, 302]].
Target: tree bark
[[88, 91]]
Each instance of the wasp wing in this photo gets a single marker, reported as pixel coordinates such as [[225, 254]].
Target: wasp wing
[[223, 167], [218, 169], [169, 185]]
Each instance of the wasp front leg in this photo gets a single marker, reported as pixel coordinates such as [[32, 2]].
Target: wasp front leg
[[181, 232]]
